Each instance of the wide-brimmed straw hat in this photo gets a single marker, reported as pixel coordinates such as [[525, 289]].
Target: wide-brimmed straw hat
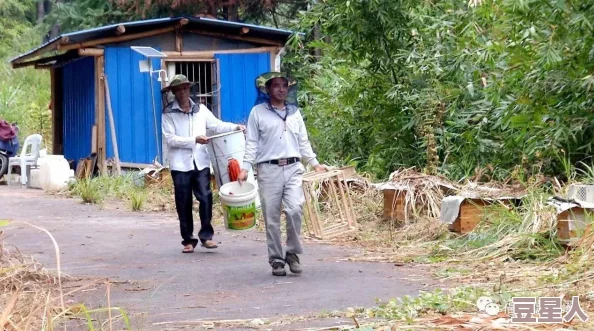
[[177, 81], [263, 78]]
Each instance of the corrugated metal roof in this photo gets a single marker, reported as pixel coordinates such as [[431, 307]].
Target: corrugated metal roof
[[206, 24]]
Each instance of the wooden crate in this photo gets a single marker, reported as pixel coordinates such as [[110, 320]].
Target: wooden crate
[[571, 222], [339, 219], [347, 172], [394, 202], [471, 213]]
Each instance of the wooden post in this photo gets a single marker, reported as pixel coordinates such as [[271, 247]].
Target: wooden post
[[94, 140], [112, 126], [178, 41], [100, 115]]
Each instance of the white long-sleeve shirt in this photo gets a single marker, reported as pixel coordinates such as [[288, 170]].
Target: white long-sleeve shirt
[[267, 139], [180, 130]]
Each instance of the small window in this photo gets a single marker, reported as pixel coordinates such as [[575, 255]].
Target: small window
[[203, 73]]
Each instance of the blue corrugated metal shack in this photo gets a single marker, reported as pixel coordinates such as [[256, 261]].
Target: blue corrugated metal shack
[[223, 57]]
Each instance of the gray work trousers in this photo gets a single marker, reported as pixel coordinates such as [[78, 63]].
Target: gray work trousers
[[281, 185]]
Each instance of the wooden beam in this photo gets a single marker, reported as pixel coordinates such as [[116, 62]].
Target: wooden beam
[[135, 165], [118, 39], [121, 29], [34, 62], [90, 52], [210, 54], [244, 30], [53, 45], [233, 37], [43, 66], [178, 40]]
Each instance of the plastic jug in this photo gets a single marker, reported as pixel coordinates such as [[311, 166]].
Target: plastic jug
[[54, 173]]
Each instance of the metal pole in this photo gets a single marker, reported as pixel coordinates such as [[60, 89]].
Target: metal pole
[[154, 109]]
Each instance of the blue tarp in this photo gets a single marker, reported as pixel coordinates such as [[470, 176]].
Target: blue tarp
[[11, 147]]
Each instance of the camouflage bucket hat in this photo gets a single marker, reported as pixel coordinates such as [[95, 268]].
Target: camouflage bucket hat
[[177, 80], [263, 78]]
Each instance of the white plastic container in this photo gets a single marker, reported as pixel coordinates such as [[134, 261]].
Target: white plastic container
[[34, 181], [223, 147], [54, 172], [239, 205]]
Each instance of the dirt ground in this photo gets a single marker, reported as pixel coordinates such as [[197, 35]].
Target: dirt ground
[[161, 288]]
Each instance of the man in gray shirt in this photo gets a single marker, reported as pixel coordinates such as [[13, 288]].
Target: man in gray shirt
[[276, 142]]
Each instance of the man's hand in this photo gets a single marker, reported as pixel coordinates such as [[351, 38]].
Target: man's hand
[[242, 176], [321, 168], [202, 140], [240, 127]]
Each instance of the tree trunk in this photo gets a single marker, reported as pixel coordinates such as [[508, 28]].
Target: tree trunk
[[40, 10], [317, 36], [233, 13], [55, 32]]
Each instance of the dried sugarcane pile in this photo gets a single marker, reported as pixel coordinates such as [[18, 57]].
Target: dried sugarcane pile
[[422, 193], [27, 292]]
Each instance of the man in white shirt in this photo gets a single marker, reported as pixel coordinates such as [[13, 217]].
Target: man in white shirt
[[276, 142], [184, 126]]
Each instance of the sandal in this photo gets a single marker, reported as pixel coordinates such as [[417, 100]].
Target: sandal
[[188, 249], [209, 244]]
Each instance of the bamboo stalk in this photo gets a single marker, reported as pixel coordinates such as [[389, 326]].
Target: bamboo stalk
[[121, 29], [109, 305], [316, 220], [341, 212], [112, 127]]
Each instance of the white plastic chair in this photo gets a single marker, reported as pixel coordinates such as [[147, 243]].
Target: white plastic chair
[[27, 159]]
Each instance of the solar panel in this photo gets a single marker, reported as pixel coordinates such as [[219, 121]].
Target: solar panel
[[148, 51]]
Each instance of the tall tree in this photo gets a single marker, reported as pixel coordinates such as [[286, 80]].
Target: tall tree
[[81, 14]]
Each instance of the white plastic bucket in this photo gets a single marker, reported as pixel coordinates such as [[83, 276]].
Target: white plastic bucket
[[223, 147], [239, 205]]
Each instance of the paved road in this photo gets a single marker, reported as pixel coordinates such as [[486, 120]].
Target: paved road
[[142, 253]]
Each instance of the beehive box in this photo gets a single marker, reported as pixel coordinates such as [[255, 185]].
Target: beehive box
[[571, 222], [394, 202], [471, 213]]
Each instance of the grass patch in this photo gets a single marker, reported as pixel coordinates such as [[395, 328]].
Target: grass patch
[[137, 199]]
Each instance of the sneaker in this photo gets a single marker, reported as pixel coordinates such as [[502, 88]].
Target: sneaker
[[278, 269], [293, 261]]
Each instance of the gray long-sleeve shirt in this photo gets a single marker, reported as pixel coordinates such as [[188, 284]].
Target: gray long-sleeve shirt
[[269, 139]]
